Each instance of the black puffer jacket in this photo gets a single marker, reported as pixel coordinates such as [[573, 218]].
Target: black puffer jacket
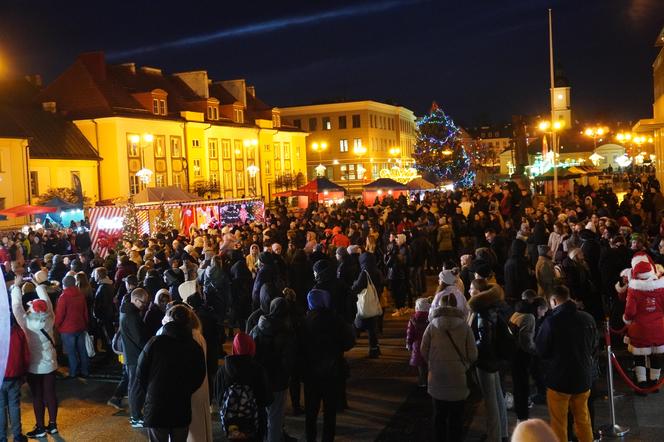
[[486, 306], [326, 338], [170, 370], [516, 272], [133, 332], [275, 344], [567, 340]]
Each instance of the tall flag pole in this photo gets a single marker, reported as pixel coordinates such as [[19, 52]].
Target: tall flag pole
[[553, 132]]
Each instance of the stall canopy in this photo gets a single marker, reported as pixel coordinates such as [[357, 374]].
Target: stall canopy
[[385, 184], [319, 189], [566, 173], [167, 194], [420, 184], [381, 188], [26, 210], [60, 204]]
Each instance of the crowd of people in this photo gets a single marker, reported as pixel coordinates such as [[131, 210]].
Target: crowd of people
[[523, 286]]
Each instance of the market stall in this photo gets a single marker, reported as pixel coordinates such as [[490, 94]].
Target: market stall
[[381, 188], [107, 222], [320, 189]]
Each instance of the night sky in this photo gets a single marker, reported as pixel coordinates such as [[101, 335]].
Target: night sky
[[480, 60]]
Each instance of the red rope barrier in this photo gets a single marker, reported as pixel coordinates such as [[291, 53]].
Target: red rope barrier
[[629, 382], [620, 331]]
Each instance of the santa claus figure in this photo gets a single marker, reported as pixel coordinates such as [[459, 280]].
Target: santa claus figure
[[644, 316]]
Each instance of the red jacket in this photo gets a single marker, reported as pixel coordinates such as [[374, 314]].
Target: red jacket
[[71, 311], [18, 360], [644, 312]]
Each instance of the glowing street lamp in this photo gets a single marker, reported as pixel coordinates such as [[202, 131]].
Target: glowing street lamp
[[595, 133], [145, 175]]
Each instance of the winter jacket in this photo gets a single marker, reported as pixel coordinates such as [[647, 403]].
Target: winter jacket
[[267, 273], [71, 311], [416, 326], [170, 369], [644, 314], [152, 319], [367, 266], [43, 358], [444, 238], [132, 330], [240, 290], [485, 307], [326, 338], [525, 322], [57, 272], [275, 344], [152, 284], [18, 359], [217, 290], [447, 370], [103, 306], [545, 276], [516, 272], [567, 341]]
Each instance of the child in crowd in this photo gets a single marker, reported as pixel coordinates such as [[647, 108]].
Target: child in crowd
[[416, 326]]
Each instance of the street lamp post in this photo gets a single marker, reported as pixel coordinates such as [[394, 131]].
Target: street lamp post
[[360, 151], [594, 133], [144, 174], [548, 128], [319, 147]]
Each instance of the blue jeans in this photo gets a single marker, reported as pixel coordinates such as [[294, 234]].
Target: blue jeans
[[496, 413], [74, 345], [10, 397], [275, 417]]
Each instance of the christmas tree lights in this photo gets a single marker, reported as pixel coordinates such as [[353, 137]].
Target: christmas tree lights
[[439, 153], [130, 224]]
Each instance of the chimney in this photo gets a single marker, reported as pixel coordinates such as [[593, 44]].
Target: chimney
[[197, 82], [251, 90], [49, 106], [237, 88], [95, 62]]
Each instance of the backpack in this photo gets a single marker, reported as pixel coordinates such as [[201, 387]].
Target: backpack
[[506, 338], [239, 412]]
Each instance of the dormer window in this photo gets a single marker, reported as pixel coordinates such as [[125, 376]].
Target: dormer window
[[213, 112], [159, 106], [238, 115]]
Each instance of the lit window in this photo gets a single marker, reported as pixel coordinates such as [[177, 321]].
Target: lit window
[[327, 124], [197, 168], [357, 142], [343, 145], [212, 149]]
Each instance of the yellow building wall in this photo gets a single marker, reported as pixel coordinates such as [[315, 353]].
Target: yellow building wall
[[212, 153], [13, 177], [58, 173]]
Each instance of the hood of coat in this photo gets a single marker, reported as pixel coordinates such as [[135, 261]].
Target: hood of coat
[[174, 330], [491, 296], [518, 248], [447, 318]]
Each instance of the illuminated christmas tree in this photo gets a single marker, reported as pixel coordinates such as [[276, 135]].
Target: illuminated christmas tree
[[439, 153], [130, 224], [163, 222]]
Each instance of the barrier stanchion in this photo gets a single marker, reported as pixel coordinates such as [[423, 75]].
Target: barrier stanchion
[[612, 429]]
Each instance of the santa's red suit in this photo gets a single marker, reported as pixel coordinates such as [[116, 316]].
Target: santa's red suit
[[644, 315]]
